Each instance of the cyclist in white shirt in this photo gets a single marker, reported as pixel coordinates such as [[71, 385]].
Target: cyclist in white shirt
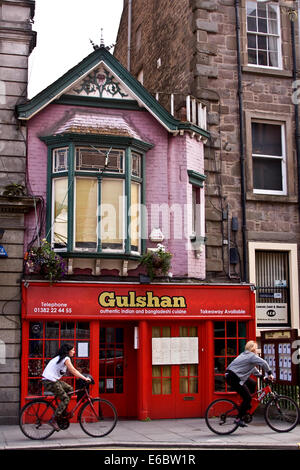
[[53, 372]]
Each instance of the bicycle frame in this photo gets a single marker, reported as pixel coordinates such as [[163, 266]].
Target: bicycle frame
[[54, 401], [257, 398]]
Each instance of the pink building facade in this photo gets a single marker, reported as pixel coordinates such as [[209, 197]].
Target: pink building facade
[[170, 195]]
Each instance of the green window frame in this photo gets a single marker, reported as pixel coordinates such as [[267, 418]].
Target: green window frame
[[82, 190]]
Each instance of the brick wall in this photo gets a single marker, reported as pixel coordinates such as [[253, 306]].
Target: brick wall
[[16, 42]]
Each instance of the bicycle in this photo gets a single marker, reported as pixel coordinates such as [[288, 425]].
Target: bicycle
[[97, 416], [281, 413]]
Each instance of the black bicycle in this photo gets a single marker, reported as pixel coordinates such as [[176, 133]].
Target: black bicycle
[[97, 417]]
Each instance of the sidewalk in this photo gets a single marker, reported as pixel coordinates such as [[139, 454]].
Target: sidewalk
[[175, 433]]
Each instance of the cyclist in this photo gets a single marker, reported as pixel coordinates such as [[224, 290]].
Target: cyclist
[[51, 376], [237, 375]]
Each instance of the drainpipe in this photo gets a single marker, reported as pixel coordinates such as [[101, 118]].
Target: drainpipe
[[242, 149], [129, 35], [296, 105]]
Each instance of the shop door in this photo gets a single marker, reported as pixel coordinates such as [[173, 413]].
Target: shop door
[[176, 387], [117, 368]]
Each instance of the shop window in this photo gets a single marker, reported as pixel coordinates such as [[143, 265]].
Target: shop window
[[161, 375], [263, 34], [188, 373], [161, 380], [96, 195], [45, 338], [111, 360], [230, 338]]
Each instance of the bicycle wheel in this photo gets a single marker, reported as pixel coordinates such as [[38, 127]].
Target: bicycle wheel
[[98, 417], [282, 413], [220, 416], [34, 419]]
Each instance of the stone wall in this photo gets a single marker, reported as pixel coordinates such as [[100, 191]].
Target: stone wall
[[16, 43], [196, 40]]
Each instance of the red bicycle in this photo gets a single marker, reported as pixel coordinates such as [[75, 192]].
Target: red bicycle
[[281, 412], [97, 417]]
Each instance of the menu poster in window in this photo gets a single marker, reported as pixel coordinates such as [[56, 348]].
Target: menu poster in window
[[181, 350]]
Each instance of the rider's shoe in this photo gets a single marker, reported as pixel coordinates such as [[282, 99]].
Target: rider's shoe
[[54, 424], [240, 423]]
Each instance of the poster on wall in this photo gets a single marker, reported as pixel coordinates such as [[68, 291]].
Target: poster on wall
[[182, 350], [275, 313]]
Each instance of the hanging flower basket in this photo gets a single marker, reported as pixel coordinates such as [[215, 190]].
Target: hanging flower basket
[[44, 261], [157, 263]]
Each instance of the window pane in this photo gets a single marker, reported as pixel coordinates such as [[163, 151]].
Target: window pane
[[83, 330], [67, 330], [52, 329], [96, 158], [262, 57], [252, 56], [155, 332], [231, 329], [219, 329], [166, 386], [266, 139], [251, 22], [135, 216], [267, 174], [262, 42], [252, 41], [242, 329], [220, 347], [60, 209], [262, 25], [136, 164], [112, 217], [86, 213], [60, 160]]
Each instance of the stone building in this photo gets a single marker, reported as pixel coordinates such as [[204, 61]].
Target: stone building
[[240, 58], [16, 42]]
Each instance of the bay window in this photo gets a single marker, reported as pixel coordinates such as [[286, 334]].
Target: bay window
[[95, 194]]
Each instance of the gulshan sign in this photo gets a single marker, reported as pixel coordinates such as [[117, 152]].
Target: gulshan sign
[[111, 299], [86, 300]]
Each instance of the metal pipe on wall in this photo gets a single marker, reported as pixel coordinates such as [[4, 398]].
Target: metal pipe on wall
[[242, 146], [129, 35]]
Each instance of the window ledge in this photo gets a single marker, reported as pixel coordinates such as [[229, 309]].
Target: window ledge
[[271, 198], [267, 71], [87, 254]]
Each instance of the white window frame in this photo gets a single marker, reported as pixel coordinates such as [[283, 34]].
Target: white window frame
[[279, 38], [291, 248], [282, 157]]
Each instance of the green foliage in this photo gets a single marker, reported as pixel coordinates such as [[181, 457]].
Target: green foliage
[[157, 262], [44, 261]]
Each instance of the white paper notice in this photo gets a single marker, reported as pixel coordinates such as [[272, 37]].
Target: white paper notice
[[181, 350], [83, 349]]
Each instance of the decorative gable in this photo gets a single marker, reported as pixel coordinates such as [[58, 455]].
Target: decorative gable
[[100, 83]]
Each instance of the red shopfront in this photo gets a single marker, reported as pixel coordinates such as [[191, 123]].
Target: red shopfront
[[155, 351]]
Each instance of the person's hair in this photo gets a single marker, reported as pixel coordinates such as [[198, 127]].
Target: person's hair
[[249, 346], [64, 351]]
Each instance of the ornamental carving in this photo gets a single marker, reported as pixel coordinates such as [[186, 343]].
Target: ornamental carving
[[100, 83]]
